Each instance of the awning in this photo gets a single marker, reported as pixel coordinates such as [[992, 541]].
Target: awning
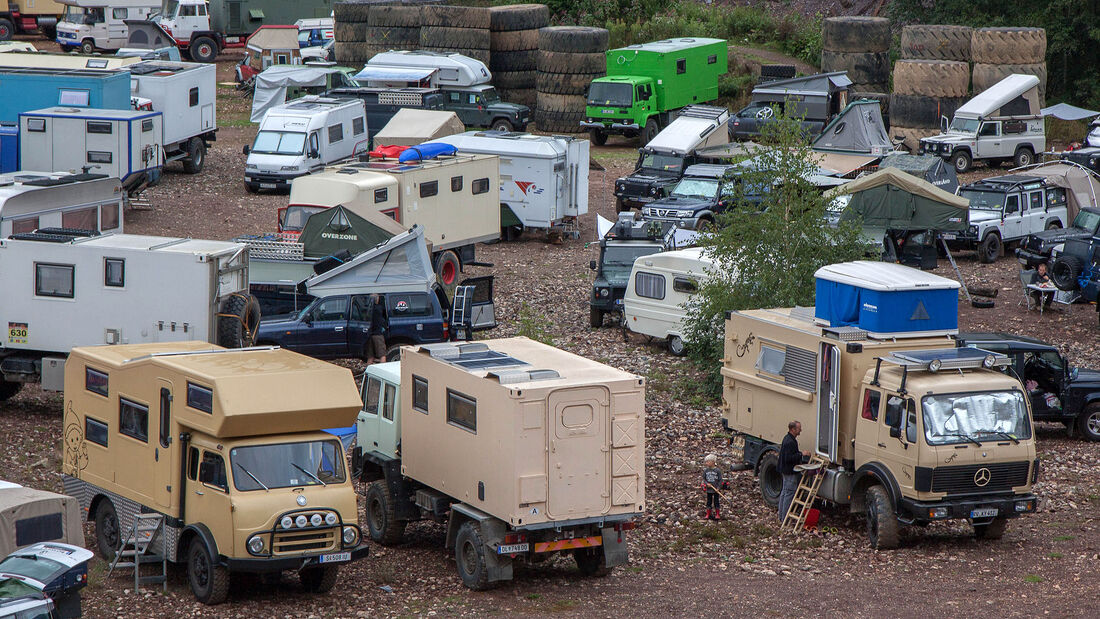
[[1066, 111], [393, 74]]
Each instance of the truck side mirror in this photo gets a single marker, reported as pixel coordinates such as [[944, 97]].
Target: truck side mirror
[[246, 149], [895, 432], [943, 124], [1073, 373], [313, 153], [592, 264]]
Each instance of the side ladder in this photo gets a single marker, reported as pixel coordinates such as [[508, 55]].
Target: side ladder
[[804, 497], [135, 550]]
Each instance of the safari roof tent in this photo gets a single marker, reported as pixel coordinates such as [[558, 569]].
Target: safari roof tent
[[857, 130], [813, 96], [273, 85], [147, 40], [275, 45], [1016, 97], [32, 201], [695, 127], [42, 88], [440, 70], [401, 264], [932, 169], [1082, 186], [884, 300], [29, 516], [410, 127]]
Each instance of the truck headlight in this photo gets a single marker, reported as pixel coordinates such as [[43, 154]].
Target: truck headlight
[[286, 522], [1092, 160], [301, 521], [351, 536], [251, 166], [604, 292], [938, 512], [684, 213], [622, 187], [974, 230], [256, 545], [647, 212], [330, 518], [316, 520]]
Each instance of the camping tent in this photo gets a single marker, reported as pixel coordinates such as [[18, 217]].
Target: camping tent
[[1082, 186], [858, 129], [29, 516], [895, 200], [273, 82], [337, 228], [932, 169], [401, 264], [410, 127]]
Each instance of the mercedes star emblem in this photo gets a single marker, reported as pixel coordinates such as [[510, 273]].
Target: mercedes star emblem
[[982, 476], [302, 498]]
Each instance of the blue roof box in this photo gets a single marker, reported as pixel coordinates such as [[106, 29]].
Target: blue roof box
[[886, 300]]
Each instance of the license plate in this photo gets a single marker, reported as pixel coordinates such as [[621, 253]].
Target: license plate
[[267, 185], [987, 512], [507, 549], [950, 236], [607, 111], [336, 557]]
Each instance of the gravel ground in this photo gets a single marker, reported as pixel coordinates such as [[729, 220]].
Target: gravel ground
[[1046, 563]]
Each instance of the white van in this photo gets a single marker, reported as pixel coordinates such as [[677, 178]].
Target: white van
[[659, 289], [302, 137], [92, 25]]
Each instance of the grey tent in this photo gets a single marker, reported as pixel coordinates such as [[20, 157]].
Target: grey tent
[[895, 200], [401, 264], [29, 516], [1082, 185], [932, 169], [273, 82], [812, 96], [337, 228], [858, 130]]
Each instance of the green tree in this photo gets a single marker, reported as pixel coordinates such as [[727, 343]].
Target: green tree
[[767, 248]]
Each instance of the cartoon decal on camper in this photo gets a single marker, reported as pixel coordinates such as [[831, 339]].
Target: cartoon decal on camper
[[76, 451]]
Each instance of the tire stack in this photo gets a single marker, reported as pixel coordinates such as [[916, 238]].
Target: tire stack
[[514, 47], [456, 29], [569, 58], [860, 46], [931, 80], [1000, 52], [364, 28]]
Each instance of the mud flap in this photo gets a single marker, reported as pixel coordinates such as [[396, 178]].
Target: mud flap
[[499, 567], [615, 551]]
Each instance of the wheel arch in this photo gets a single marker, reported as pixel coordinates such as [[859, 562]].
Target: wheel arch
[[873, 474], [202, 533]]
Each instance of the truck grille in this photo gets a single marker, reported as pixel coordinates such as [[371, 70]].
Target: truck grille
[[293, 542], [665, 212], [1003, 476]]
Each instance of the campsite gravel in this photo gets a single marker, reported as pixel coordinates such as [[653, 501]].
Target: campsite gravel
[[1046, 564]]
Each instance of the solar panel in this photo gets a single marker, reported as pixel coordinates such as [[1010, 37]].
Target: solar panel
[[947, 358], [484, 359]]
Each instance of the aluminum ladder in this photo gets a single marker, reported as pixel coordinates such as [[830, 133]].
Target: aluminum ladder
[[804, 497], [461, 310], [135, 550]]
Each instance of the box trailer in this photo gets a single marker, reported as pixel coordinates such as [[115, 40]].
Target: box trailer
[[560, 454], [184, 93], [122, 144], [42, 88], [543, 179], [32, 201]]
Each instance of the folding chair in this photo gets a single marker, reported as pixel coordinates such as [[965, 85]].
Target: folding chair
[[1025, 279]]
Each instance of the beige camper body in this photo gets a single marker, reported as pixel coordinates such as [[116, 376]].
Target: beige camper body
[[208, 437], [50, 60]]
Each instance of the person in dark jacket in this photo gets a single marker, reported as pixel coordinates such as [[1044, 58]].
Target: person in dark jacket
[[789, 457], [379, 325], [712, 482]]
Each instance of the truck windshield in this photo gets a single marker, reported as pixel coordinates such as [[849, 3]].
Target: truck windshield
[[984, 200], [286, 465], [696, 187], [613, 94], [662, 163], [168, 9], [76, 15], [490, 95], [1086, 220], [963, 417], [295, 216], [964, 125], [619, 259], [279, 143]]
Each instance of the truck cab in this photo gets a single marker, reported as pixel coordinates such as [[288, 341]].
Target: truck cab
[[481, 106], [623, 105], [314, 31], [188, 22], [90, 25], [1009, 208], [619, 248]]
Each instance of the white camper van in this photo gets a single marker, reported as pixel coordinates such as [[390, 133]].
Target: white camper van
[[32, 201], [659, 289], [92, 25], [302, 137]]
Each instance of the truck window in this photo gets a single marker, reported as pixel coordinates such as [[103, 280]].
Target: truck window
[[53, 280], [456, 183], [1036, 199], [286, 465], [429, 189], [381, 195], [479, 186], [388, 397], [192, 463], [713, 58], [649, 285], [989, 130], [335, 133], [165, 417], [335, 308], [872, 400], [462, 411], [910, 421], [114, 272], [95, 381], [200, 398], [188, 10], [202, 10], [118, 13], [1056, 197], [96, 431], [133, 419], [108, 217], [370, 399], [471, 99], [212, 471], [1012, 205], [359, 304], [681, 66], [408, 304], [420, 394]]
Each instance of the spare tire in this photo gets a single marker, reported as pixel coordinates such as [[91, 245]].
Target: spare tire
[[1009, 45], [1065, 271], [518, 17], [513, 80], [563, 83], [394, 15], [548, 102], [238, 319], [574, 39], [932, 78], [349, 31], [350, 12], [391, 35], [936, 42], [482, 55], [519, 60], [856, 34], [862, 68]]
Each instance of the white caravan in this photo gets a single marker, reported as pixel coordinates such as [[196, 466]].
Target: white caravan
[[32, 201], [91, 25], [184, 93], [304, 136], [439, 70], [660, 287]]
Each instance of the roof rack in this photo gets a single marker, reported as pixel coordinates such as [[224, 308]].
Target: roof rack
[[937, 359], [206, 351]]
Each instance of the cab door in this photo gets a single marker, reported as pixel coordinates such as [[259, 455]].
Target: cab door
[[325, 331], [898, 436], [359, 322], [1013, 217], [367, 421], [1034, 216], [207, 489], [166, 469], [116, 28], [989, 140], [867, 426]]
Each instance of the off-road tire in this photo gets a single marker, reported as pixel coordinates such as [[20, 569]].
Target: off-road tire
[[921, 110], [7, 30], [1088, 423], [518, 17], [777, 71], [936, 42], [993, 530], [961, 161], [521, 96], [209, 581], [769, 478], [237, 327], [855, 34], [402, 16], [1053, 224], [862, 67], [932, 78], [514, 40], [882, 523], [590, 562], [548, 102], [482, 55], [251, 187], [203, 49], [559, 122], [501, 124], [8, 389], [513, 80], [1024, 156], [381, 515], [987, 75], [591, 64], [910, 136], [356, 53], [450, 37], [573, 39], [563, 83], [521, 60], [87, 47], [391, 35], [649, 132], [595, 317], [981, 303], [470, 557], [471, 17], [108, 530], [196, 156], [676, 346], [599, 138], [353, 31], [350, 12], [1008, 45], [447, 269], [1065, 271], [319, 579], [989, 250]]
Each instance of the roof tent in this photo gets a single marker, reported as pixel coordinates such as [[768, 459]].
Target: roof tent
[[886, 299], [926, 167], [894, 200], [401, 264], [1016, 95], [337, 228], [410, 127], [858, 129]]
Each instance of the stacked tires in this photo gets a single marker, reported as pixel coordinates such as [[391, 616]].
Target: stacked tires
[[569, 58], [514, 47], [931, 80], [860, 46], [364, 28], [456, 29], [1000, 52]]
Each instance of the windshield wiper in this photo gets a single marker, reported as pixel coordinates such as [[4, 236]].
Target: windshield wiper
[[254, 478], [967, 437], [999, 433], [318, 479]]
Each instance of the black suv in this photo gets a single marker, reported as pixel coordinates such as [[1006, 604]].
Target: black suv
[[625, 242], [1060, 392], [654, 174], [1037, 247], [1088, 154]]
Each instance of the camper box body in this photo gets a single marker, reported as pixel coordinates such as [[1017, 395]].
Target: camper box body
[[33, 200], [322, 130], [47, 60], [382, 103], [42, 88], [543, 179], [183, 92], [99, 24], [165, 429], [120, 143], [658, 293]]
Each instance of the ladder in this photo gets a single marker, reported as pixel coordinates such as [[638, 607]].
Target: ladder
[[139, 202], [804, 497], [460, 312], [135, 550]]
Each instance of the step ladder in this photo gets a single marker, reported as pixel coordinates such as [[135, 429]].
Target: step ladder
[[461, 312], [139, 202], [135, 550], [804, 497]]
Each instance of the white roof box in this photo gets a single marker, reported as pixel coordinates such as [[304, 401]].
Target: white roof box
[[991, 101], [697, 126], [883, 276], [454, 69]]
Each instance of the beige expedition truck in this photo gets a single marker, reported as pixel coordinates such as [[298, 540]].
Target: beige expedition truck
[[520, 449], [238, 466], [455, 199]]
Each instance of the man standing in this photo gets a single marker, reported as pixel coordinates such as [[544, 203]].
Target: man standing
[[379, 324], [789, 457]]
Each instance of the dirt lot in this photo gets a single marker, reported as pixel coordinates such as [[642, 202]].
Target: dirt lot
[[1046, 564]]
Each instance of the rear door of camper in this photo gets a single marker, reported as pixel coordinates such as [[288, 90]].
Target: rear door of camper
[[578, 451]]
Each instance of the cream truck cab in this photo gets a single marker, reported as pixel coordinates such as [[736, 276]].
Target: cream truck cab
[[913, 430], [227, 446]]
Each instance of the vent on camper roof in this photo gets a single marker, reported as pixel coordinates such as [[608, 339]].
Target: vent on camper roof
[[27, 178], [302, 106], [471, 356], [508, 377], [45, 181], [74, 232]]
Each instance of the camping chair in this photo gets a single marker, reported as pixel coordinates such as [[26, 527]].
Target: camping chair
[[1025, 279]]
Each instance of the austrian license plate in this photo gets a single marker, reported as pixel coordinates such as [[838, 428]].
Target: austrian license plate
[[987, 512], [950, 236], [336, 557], [267, 185], [507, 549]]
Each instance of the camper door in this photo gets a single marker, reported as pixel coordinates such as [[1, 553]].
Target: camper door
[[579, 462]]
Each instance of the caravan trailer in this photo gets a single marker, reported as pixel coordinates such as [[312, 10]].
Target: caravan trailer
[[32, 201], [658, 293]]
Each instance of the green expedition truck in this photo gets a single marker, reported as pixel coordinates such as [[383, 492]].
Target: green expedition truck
[[647, 83]]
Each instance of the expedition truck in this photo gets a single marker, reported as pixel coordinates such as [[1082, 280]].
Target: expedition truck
[[91, 25], [203, 28], [647, 83], [627, 240], [25, 16], [913, 430], [661, 162], [1008, 208], [560, 454], [125, 288], [235, 476]]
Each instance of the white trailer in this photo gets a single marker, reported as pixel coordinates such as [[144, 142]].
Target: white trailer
[[183, 92], [124, 288], [543, 179], [125, 144], [32, 201]]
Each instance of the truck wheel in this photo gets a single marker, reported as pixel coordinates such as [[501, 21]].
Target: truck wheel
[[676, 345], [502, 124], [961, 160], [108, 533], [992, 530], [8, 389], [393, 353], [882, 524], [319, 579], [382, 522], [595, 317], [238, 320], [446, 269], [590, 561], [470, 557], [598, 136], [651, 130], [619, 206], [87, 46], [1023, 157], [705, 224], [196, 156], [7, 30], [771, 482], [1054, 224], [251, 187], [1088, 422], [1065, 271], [209, 581], [990, 248], [204, 49]]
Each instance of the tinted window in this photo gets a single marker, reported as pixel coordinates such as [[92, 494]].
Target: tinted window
[[27, 224], [479, 186], [429, 189], [649, 285], [681, 66], [200, 398], [685, 284], [108, 217], [1036, 198], [456, 183], [461, 410], [133, 419], [335, 308], [193, 463], [36, 529], [408, 305], [95, 381], [193, 97], [114, 272], [1012, 205], [95, 126], [420, 394], [380, 195], [81, 218], [871, 401], [335, 134], [165, 417], [95, 431], [358, 125], [387, 401], [212, 470], [54, 280]]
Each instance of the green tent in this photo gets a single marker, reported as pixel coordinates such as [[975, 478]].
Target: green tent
[[894, 200], [337, 228]]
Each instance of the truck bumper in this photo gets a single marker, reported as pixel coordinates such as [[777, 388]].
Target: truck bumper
[[281, 564], [269, 181], [685, 223], [612, 128], [1029, 258], [928, 511]]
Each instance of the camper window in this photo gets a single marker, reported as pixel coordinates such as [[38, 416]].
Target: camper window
[[408, 304], [27, 224], [479, 186], [99, 156], [73, 97], [36, 125], [80, 219], [95, 381], [118, 13], [456, 183], [165, 417], [287, 465], [200, 398], [114, 272], [429, 189], [33, 530], [420, 394], [370, 400], [685, 285], [649, 285], [188, 10], [147, 125], [133, 419], [388, 397], [193, 97], [193, 463], [771, 360], [462, 411], [100, 127], [358, 126], [95, 431], [212, 471], [54, 280], [108, 217], [335, 133], [1016, 126], [712, 59], [681, 66], [381, 195]]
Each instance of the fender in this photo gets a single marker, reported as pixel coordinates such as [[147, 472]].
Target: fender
[[200, 532], [460, 512], [866, 476]]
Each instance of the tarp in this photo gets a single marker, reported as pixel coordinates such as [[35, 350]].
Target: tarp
[[29, 516], [932, 169], [273, 37], [401, 264], [337, 228], [841, 163], [1082, 187], [809, 85], [410, 127], [272, 83], [895, 200], [1066, 111], [857, 129]]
